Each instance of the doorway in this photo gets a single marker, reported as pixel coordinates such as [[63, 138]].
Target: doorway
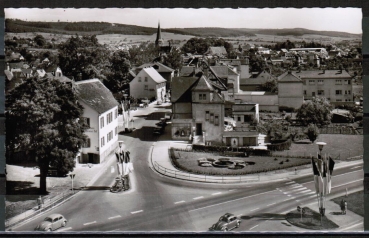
[[199, 129], [90, 158]]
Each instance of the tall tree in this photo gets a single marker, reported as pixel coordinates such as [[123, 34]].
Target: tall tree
[[117, 78], [316, 111], [43, 120], [77, 54], [40, 40], [173, 60]]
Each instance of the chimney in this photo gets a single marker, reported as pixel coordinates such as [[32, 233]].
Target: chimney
[[194, 71]]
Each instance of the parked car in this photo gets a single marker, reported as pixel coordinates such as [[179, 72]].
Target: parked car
[[52, 222], [162, 122], [158, 130], [226, 222]]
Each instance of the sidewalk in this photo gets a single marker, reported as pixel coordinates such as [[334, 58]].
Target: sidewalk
[[161, 162], [59, 188]]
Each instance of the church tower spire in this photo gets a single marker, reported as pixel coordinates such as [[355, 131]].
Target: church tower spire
[[159, 41]]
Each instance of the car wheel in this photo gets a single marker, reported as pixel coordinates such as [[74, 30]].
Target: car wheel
[[64, 223], [48, 229], [225, 229], [238, 224]]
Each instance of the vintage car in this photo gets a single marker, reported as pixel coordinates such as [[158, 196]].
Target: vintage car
[[52, 222], [158, 130], [226, 222]]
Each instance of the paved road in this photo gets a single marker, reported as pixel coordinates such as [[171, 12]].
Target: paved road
[[157, 203]]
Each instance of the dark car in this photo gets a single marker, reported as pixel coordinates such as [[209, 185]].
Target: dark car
[[158, 130], [162, 122], [52, 222], [226, 222]]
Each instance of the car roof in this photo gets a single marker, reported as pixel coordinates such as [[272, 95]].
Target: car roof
[[228, 215], [52, 216]]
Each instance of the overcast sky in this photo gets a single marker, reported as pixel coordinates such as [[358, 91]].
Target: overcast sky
[[328, 19]]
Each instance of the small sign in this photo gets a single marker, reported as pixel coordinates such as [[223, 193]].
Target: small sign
[[72, 176]]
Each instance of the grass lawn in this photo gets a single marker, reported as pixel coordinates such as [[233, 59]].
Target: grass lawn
[[355, 202], [341, 146], [310, 220], [188, 161]]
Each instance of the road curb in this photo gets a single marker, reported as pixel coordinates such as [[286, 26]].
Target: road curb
[[287, 177]]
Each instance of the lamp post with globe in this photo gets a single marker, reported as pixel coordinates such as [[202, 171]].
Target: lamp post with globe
[[321, 197]]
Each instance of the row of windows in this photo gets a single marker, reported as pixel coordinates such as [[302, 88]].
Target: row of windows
[[139, 79], [212, 118], [109, 118], [202, 96], [320, 81], [346, 100], [321, 92], [109, 137]]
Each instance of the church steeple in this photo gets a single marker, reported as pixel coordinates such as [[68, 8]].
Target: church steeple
[[159, 41]]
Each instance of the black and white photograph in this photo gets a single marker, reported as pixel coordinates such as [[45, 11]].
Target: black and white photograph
[[210, 120]]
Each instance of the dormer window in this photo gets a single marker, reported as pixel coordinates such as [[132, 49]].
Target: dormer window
[[202, 96]]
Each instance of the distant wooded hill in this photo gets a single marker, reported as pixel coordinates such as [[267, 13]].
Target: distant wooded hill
[[99, 28]]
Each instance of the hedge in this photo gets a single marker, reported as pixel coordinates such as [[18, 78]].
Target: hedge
[[280, 146]]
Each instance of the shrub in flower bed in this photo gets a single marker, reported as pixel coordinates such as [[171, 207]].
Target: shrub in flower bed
[[188, 162]]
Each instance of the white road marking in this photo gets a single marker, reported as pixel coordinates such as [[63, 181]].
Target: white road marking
[[338, 175], [295, 186], [254, 227], [312, 196], [356, 167], [290, 182], [305, 191], [347, 183], [198, 198], [350, 227], [299, 189], [136, 212], [312, 192], [239, 215], [179, 202], [255, 209], [289, 195], [89, 223], [216, 193], [293, 197], [235, 189], [271, 204], [230, 201], [114, 217], [65, 229]]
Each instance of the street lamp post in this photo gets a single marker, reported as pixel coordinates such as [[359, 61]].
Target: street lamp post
[[72, 177]]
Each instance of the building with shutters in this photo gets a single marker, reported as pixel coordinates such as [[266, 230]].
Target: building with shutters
[[100, 112]]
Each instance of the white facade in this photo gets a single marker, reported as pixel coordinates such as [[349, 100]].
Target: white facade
[[100, 147], [148, 83]]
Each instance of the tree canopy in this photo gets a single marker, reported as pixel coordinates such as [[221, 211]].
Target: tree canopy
[[43, 121], [201, 45], [117, 78], [316, 111], [83, 57]]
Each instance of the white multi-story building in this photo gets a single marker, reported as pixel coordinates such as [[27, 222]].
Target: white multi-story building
[[101, 114]]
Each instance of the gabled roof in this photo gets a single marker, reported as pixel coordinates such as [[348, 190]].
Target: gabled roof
[[189, 71], [154, 75], [94, 93], [203, 85], [181, 88], [289, 77], [222, 71], [217, 50], [161, 68]]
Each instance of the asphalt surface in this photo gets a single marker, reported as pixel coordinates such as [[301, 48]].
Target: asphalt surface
[[158, 203]]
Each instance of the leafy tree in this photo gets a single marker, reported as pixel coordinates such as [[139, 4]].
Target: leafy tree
[[201, 45], [276, 129], [144, 53], [78, 54], [40, 40], [43, 120], [270, 86], [173, 60], [117, 78], [316, 111], [312, 132]]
